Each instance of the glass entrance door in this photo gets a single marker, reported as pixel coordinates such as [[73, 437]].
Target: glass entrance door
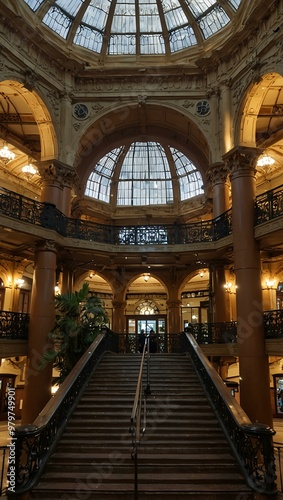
[[136, 324]]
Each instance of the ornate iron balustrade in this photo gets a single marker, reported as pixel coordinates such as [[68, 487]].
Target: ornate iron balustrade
[[166, 342], [214, 333], [273, 324], [269, 205], [14, 326], [46, 215], [35, 443], [251, 442]]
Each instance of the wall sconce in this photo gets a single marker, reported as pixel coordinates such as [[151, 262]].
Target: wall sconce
[[146, 277], [91, 274], [201, 273], [230, 287], [270, 284], [57, 290], [19, 283]]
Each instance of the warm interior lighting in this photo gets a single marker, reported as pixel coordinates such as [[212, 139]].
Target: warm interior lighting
[[201, 273], [230, 287], [146, 277], [270, 284], [6, 155], [265, 161], [19, 282], [29, 169]]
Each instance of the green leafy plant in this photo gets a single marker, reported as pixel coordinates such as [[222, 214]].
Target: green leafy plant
[[78, 321]]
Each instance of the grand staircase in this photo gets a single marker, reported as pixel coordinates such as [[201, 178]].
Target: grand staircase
[[183, 452]]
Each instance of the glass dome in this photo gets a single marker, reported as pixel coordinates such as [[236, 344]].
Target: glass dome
[[134, 27], [144, 172]]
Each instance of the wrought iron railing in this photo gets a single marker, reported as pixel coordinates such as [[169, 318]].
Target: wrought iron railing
[[14, 325], [269, 205], [46, 215], [35, 443], [3, 469], [166, 342], [278, 448], [251, 442], [214, 333]]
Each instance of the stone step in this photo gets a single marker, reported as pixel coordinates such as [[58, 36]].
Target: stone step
[[183, 453], [98, 475]]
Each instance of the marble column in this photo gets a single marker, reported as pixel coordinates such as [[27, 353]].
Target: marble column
[[253, 361], [42, 317], [218, 181], [119, 318], [174, 315]]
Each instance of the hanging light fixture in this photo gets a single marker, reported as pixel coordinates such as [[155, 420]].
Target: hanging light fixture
[[6, 154], [265, 161], [29, 169]]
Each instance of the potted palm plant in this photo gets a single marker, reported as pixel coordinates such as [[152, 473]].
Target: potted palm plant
[[79, 317]]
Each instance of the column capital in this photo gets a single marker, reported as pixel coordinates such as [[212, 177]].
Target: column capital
[[172, 304], [217, 173], [241, 161], [46, 246], [55, 171]]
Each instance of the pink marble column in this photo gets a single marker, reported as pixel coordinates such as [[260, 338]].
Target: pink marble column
[[253, 361], [217, 177], [42, 317]]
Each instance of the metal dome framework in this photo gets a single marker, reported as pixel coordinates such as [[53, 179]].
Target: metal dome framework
[[134, 27], [144, 174]]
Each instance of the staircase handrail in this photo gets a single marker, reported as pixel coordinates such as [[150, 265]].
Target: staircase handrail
[[34, 443], [136, 410], [251, 443], [4, 450], [135, 427]]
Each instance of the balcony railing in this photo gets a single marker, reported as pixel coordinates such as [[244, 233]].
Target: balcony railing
[[268, 206], [46, 215], [13, 325]]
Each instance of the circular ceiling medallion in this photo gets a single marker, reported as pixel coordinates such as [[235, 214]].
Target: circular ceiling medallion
[[80, 111], [203, 108]]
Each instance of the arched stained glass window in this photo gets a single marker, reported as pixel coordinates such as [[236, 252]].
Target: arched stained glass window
[[144, 176]]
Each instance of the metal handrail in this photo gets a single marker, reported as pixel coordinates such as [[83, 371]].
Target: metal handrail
[[35, 443], [251, 442], [279, 448], [136, 416], [3, 488]]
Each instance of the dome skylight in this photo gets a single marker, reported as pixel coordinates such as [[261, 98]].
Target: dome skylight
[[130, 27], [144, 173]]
